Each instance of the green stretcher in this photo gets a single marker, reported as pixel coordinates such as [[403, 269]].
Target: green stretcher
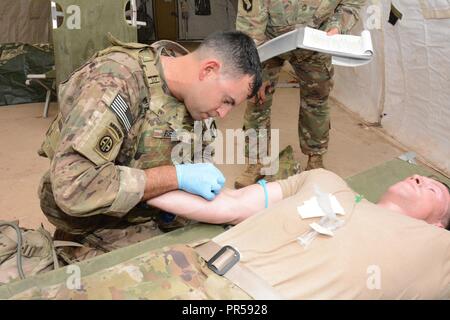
[[371, 184]]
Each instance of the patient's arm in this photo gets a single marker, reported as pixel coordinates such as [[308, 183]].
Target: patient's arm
[[230, 206]]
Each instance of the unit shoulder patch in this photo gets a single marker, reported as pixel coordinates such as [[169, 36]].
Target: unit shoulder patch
[[108, 143], [105, 144]]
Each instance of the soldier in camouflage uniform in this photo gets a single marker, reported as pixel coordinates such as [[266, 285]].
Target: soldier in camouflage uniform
[[121, 114], [264, 20]]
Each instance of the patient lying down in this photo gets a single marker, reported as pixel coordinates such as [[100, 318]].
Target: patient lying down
[[396, 249], [417, 196]]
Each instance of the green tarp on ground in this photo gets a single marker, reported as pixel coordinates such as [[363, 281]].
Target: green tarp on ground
[[17, 60]]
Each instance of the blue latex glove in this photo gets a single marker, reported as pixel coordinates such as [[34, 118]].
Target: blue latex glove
[[202, 179]]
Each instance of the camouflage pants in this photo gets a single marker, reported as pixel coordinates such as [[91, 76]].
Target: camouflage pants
[[176, 272], [315, 73]]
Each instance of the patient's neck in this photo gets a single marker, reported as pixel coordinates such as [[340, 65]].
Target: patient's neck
[[391, 206]]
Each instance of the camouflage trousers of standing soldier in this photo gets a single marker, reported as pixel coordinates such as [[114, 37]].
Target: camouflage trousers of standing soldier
[[175, 272], [315, 74]]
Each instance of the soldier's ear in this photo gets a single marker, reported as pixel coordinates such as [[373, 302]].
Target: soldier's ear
[[209, 69]]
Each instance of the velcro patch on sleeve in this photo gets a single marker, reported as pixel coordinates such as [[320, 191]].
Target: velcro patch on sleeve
[[122, 110], [164, 134]]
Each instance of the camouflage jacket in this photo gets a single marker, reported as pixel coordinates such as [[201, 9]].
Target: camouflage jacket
[[267, 19], [115, 120]]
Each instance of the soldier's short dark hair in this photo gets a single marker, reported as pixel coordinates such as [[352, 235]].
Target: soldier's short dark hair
[[238, 53]]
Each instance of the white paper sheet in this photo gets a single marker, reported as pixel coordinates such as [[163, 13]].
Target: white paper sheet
[[339, 44]]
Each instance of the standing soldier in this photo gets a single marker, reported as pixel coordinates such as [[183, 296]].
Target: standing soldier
[[121, 114], [266, 19]]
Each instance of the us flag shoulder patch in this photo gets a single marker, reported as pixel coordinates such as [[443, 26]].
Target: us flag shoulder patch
[[123, 112]]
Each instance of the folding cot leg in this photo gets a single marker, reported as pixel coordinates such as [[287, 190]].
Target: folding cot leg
[[47, 102]]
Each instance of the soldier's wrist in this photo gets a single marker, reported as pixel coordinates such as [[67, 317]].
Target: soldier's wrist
[[159, 181]]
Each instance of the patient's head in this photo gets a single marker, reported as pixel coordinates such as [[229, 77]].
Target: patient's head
[[420, 197]]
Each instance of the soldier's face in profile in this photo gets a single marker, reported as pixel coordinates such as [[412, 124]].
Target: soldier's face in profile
[[215, 93]]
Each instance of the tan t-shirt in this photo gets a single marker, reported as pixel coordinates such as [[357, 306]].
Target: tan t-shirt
[[377, 254]]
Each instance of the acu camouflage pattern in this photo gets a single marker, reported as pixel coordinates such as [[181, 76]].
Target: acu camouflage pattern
[[38, 252], [264, 20], [86, 189], [175, 272], [268, 19], [287, 165], [315, 75]]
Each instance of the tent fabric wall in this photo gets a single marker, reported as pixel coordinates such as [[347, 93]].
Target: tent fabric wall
[[407, 86], [26, 21], [223, 17]]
